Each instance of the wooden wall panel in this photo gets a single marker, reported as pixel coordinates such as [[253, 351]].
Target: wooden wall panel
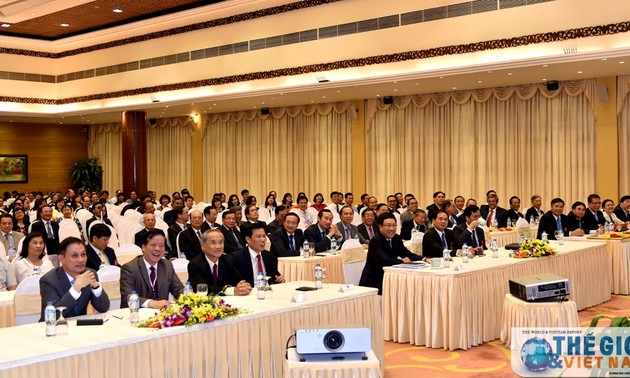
[[51, 150]]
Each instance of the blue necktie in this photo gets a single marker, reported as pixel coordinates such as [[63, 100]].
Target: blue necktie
[[559, 224], [474, 238], [291, 244], [443, 241]]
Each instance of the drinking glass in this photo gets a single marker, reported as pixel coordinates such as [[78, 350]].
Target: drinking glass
[[202, 289], [559, 237], [61, 326], [268, 290], [311, 248]]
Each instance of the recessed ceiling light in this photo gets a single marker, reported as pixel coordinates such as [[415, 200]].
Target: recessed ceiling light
[[262, 103], [395, 90], [478, 81], [323, 96], [604, 59], [622, 62], [273, 98], [441, 77], [489, 71], [509, 74], [378, 95], [454, 87], [338, 91], [395, 82], [544, 80], [6, 25], [417, 83], [579, 72], [65, 25], [117, 10], [545, 65]]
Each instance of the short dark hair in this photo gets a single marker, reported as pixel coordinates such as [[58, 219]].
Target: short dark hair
[[363, 196], [151, 234], [207, 209], [228, 212], [470, 209], [345, 207], [436, 213], [513, 197], [366, 210], [249, 207], [278, 209], [606, 201], [248, 229], [576, 204], [437, 193], [557, 200], [7, 215], [534, 197], [100, 230], [27, 239], [244, 191], [322, 211], [381, 205], [348, 195], [383, 217], [293, 215], [591, 197], [624, 198], [63, 246], [178, 210], [490, 191]]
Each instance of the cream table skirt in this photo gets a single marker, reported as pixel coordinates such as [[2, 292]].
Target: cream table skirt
[[332, 369], [298, 268], [7, 309]]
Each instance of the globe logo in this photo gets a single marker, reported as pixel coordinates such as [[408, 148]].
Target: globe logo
[[535, 354]]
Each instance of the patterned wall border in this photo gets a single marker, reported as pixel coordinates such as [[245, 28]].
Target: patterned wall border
[[591, 31]]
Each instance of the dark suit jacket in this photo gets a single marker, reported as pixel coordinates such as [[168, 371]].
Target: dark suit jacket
[[432, 244], [273, 227], [134, 276], [548, 224], [462, 235], [353, 231], [312, 234], [380, 255], [94, 261], [205, 226], [138, 238], [52, 245], [407, 226], [173, 230], [585, 223], [621, 214], [199, 272], [531, 212], [230, 244], [594, 221], [431, 209], [509, 214], [280, 243], [498, 212], [363, 230], [54, 286], [243, 263], [189, 243], [94, 219]]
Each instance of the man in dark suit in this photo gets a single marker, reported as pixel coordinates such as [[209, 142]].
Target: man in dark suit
[[577, 220], [254, 259], [99, 212], [511, 215], [385, 249], [9, 237], [554, 220], [215, 268], [623, 209], [594, 214], [469, 233], [98, 253], [72, 285], [492, 211], [368, 228], [438, 204], [150, 275], [534, 212], [347, 229], [48, 228], [149, 225], [190, 238], [417, 223], [280, 212], [321, 232], [180, 218], [439, 237], [287, 241], [210, 213], [233, 241], [251, 217], [451, 211], [169, 217]]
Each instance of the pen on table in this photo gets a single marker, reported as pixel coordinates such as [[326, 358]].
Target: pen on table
[[118, 317]]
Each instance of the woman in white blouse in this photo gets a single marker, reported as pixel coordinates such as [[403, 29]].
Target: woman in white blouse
[[609, 207], [33, 259]]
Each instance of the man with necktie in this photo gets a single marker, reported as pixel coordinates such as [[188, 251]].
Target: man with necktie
[[72, 285], [368, 228], [416, 223], [347, 229], [554, 220], [535, 211], [287, 241], [48, 228], [492, 211], [10, 238], [623, 209], [216, 269], [254, 259], [98, 252], [469, 232], [190, 238], [321, 232], [150, 275], [576, 219], [386, 248], [594, 214], [233, 241], [439, 237], [305, 218]]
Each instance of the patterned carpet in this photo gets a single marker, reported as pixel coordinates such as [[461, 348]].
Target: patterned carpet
[[488, 360]]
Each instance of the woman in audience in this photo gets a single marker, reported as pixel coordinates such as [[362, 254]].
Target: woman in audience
[[471, 201], [251, 200], [21, 221], [58, 209], [68, 213], [77, 202], [217, 204], [270, 205], [318, 202], [609, 206], [33, 259], [165, 200], [287, 200], [26, 205], [233, 201]]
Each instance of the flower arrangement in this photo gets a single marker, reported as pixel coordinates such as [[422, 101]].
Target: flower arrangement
[[191, 309], [533, 248]]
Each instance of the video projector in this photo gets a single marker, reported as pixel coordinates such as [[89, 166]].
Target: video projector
[[333, 344], [539, 287]]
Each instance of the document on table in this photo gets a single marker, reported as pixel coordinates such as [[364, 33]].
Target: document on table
[[415, 265]]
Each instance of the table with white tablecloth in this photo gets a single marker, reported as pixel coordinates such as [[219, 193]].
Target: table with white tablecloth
[[7, 309], [249, 345], [443, 308], [298, 268]]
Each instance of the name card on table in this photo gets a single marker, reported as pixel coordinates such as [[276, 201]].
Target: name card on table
[[297, 298], [346, 288], [460, 268]]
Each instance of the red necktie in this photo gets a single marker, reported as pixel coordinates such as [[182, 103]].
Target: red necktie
[[260, 266], [489, 220], [370, 232], [153, 283], [215, 275]]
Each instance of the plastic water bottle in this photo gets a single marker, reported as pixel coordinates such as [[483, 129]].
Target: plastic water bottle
[[261, 285], [305, 250], [333, 244], [134, 307], [465, 253], [319, 277], [521, 238], [446, 254], [495, 248], [182, 254], [188, 288], [50, 316], [544, 237], [531, 220], [494, 223]]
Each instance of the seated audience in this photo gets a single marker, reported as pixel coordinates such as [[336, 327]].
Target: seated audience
[[438, 204], [439, 237], [305, 218], [98, 252], [254, 259], [7, 277], [232, 239], [321, 232], [347, 229], [318, 202], [554, 220], [492, 211], [512, 214], [287, 241], [416, 223], [210, 213], [576, 219], [48, 229], [469, 232], [412, 206], [149, 225], [609, 212], [280, 213], [32, 259], [594, 214], [368, 228], [190, 238], [10, 238], [534, 213], [623, 209], [180, 217]]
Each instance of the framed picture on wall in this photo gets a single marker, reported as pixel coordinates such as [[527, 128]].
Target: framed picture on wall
[[13, 168]]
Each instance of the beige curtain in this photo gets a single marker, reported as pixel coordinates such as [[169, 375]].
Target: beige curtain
[[306, 148], [105, 144], [169, 154], [517, 140], [623, 126]]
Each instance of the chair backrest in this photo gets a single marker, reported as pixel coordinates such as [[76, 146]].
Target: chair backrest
[[113, 209], [181, 268], [132, 214], [351, 243], [19, 246], [28, 301], [356, 220], [127, 252], [67, 228], [3, 251], [398, 222], [109, 277]]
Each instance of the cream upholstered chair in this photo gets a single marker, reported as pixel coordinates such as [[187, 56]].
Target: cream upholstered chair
[[127, 252], [109, 277], [181, 269], [67, 228], [132, 214], [27, 301], [353, 256], [3, 251]]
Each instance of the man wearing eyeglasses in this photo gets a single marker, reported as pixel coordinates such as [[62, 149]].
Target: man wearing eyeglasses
[[386, 249]]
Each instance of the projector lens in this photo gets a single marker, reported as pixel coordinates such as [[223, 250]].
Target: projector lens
[[333, 340]]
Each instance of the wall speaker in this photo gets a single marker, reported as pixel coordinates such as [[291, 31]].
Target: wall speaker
[[553, 85], [388, 100], [602, 92], [264, 111]]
